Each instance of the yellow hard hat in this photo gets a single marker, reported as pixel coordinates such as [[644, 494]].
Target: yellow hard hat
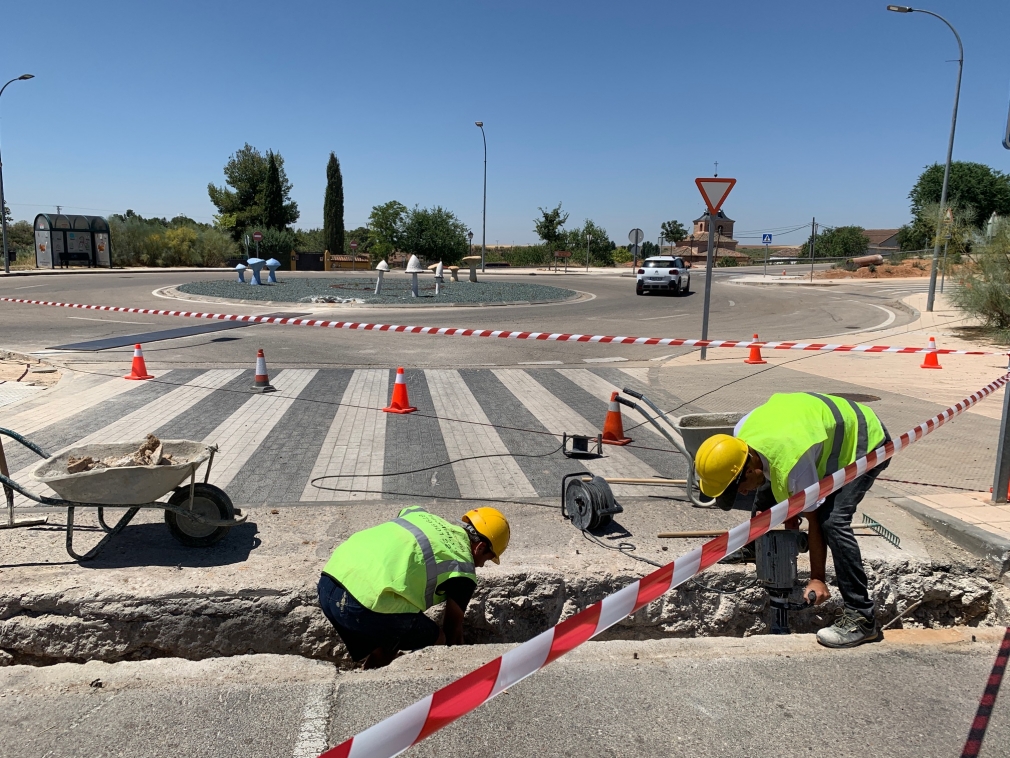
[[490, 523], [718, 463]]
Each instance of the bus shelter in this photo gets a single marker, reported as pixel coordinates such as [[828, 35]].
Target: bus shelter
[[63, 240]]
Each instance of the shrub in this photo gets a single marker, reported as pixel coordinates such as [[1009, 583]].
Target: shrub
[[726, 262], [985, 284]]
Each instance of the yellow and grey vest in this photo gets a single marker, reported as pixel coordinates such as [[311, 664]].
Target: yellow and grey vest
[[398, 566], [789, 424]]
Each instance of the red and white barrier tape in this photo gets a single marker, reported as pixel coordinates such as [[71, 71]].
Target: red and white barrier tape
[[447, 331], [411, 725]]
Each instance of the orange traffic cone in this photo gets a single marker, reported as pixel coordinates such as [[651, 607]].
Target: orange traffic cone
[[262, 382], [139, 368], [400, 402], [755, 354], [930, 360], [613, 424]]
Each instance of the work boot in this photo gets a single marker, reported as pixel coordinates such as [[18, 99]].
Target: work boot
[[851, 628]]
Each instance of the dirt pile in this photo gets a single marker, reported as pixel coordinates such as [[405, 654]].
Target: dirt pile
[[150, 453]]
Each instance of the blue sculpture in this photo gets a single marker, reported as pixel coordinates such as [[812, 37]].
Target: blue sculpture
[[273, 264], [256, 264], [241, 272]]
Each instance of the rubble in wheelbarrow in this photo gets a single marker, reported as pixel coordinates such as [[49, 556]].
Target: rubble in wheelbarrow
[[148, 454]]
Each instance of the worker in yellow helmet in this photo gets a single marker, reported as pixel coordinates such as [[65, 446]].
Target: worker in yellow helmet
[[781, 448], [377, 584]]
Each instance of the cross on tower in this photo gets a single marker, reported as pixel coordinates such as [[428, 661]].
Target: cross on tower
[[717, 168]]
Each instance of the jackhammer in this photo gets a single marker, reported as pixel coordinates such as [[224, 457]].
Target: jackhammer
[[775, 554]]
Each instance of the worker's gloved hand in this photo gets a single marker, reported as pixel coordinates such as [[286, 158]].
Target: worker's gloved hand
[[820, 590]]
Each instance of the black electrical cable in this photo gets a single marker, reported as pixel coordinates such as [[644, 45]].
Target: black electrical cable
[[625, 548]]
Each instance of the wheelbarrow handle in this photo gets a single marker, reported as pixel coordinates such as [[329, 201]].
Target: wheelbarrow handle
[[629, 391], [27, 443]]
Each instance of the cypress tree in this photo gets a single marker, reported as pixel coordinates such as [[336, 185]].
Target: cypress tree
[[333, 208], [273, 197]]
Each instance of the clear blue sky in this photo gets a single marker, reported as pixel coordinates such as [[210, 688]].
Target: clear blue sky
[[818, 109]]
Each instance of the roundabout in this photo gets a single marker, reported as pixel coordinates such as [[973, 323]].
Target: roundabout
[[361, 290]]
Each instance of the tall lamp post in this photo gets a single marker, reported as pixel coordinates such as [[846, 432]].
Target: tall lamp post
[[950, 145], [3, 203], [469, 236], [483, 237]]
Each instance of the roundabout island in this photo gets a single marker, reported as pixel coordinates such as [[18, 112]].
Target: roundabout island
[[361, 290]]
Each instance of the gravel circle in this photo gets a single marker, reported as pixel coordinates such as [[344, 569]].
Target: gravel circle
[[395, 291]]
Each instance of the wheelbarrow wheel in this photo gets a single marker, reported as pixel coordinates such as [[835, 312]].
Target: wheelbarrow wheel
[[209, 501]]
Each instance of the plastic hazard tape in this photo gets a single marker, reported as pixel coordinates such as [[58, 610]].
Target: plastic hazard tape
[[447, 331], [411, 725]]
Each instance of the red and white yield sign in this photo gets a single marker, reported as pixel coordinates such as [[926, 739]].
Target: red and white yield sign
[[715, 190]]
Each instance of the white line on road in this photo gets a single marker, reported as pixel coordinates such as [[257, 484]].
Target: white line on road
[[540, 363], [731, 303], [657, 318], [604, 360], [356, 441], [30, 286], [111, 321], [891, 316], [312, 740]]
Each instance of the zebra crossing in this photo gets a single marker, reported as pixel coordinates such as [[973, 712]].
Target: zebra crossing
[[322, 436]]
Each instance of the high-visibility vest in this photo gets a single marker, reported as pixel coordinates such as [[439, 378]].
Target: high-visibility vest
[[397, 567], [789, 424]]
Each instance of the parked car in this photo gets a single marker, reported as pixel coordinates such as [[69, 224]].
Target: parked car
[[663, 274]]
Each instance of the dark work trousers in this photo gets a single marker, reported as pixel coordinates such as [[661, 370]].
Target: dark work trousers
[[835, 518]]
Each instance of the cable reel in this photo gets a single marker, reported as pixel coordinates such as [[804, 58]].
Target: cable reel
[[589, 504]]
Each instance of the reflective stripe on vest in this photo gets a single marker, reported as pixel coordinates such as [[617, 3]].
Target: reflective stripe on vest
[[432, 569], [836, 443]]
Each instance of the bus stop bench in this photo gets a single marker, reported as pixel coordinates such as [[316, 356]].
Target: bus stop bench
[[67, 259]]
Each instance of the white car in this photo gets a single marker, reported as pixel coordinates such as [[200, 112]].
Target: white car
[[663, 274]]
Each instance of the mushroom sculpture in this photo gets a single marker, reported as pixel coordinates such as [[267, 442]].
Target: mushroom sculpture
[[439, 278], [240, 268], [414, 268], [256, 264], [273, 264], [382, 267], [472, 261]]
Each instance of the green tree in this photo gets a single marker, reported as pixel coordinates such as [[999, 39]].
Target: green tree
[[333, 207], [973, 186], [435, 234], [363, 236], [549, 227], [310, 240], [648, 249], [840, 242], [385, 224], [241, 202], [274, 216], [673, 231], [601, 249]]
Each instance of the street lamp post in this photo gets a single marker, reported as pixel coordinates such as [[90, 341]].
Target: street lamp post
[[950, 145], [469, 236], [483, 237], [3, 202]]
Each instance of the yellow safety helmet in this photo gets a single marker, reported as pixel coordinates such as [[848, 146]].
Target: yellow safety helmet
[[718, 463], [491, 524]]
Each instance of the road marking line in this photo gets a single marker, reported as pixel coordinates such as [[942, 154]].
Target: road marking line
[[489, 477], [30, 286], [604, 360], [600, 388], [355, 442], [240, 434], [64, 406], [144, 420], [111, 321], [657, 318], [541, 363], [312, 739], [559, 417]]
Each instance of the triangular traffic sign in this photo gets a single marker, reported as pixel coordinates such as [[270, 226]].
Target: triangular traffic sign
[[715, 190]]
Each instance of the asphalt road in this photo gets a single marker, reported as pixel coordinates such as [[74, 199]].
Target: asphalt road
[[782, 696], [775, 312]]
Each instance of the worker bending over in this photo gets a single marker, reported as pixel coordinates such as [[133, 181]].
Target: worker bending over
[[781, 448], [376, 586]]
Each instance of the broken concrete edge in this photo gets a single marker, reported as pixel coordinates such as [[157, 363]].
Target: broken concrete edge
[[992, 548]]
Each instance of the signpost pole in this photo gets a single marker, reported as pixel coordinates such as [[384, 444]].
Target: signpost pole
[[1001, 481], [813, 241], [766, 259], [708, 283]]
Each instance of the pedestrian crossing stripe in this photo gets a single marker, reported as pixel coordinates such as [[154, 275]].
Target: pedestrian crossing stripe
[[479, 433]]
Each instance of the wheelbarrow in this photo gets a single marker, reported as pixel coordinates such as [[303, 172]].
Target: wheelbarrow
[[689, 432], [197, 514]]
